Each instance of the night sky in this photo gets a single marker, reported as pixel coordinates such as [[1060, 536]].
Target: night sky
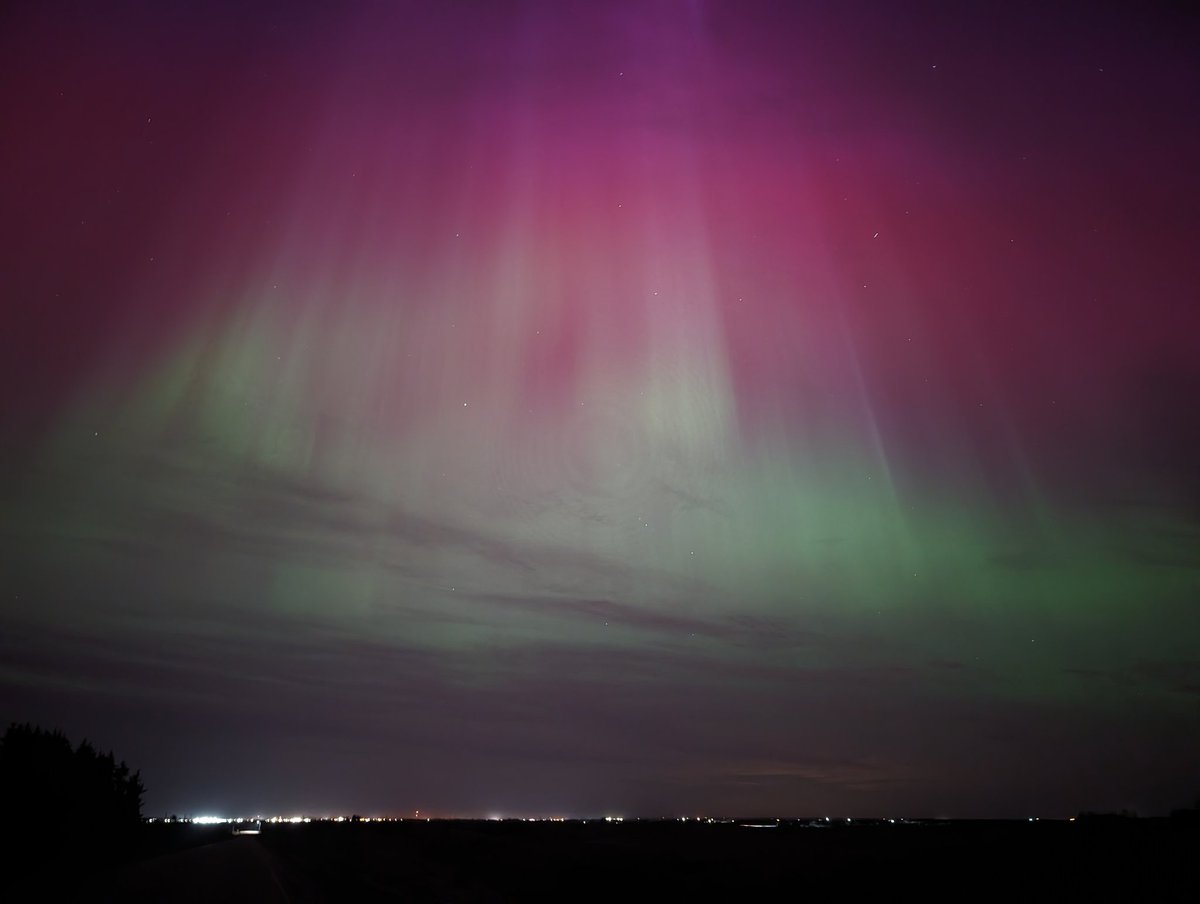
[[570, 408]]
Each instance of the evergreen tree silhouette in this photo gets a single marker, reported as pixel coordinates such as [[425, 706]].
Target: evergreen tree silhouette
[[59, 800]]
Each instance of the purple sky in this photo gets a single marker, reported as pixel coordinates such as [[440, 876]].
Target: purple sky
[[571, 408]]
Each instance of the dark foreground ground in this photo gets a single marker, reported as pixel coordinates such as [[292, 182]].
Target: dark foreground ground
[[496, 861]]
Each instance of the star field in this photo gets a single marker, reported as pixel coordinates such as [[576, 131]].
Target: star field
[[568, 408]]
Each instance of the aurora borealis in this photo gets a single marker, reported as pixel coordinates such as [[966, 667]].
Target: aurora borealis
[[575, 408]]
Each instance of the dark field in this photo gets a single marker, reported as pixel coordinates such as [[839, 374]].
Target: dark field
[[485, 861]]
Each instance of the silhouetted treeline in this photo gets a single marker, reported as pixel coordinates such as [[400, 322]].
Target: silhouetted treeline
[[59, 800]]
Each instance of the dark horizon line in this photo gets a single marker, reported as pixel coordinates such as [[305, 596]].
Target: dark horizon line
[[830, 821]]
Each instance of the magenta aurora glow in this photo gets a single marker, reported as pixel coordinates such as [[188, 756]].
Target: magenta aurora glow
[[569, 408]]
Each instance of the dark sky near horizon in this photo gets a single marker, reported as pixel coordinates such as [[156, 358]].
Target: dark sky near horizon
[[570, 408]]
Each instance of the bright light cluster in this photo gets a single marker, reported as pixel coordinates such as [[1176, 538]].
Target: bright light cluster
[[209, 820]]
